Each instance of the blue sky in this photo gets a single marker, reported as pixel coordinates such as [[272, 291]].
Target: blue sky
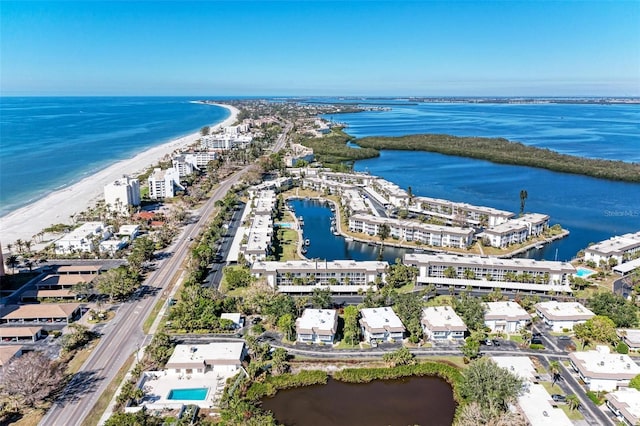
[[320, 48]]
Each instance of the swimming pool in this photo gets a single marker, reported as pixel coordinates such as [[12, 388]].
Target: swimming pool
[[284, 225], [584, 272], [193, 394]]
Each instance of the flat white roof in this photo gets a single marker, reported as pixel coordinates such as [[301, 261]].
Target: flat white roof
[[626, 267], [616, 244], [521, 366], [631, 335], [567, 311], [628, 402], [602, 364], [320, 265], [490, 262], [318, 319], [381, 318], [197, 354], [535, 403], [439, 318], [510, 311], [232, 316]]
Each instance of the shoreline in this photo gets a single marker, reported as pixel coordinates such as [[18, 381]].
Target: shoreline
[[60, 205]]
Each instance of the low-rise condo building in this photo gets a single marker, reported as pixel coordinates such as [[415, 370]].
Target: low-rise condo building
[[625, 405], [381, 324], [299, 153], [560, 316], [122, 194], [317, 326], [163, 183], [490, 272], [631, 337], [235, 317], [84, 239], [200, 359], [303, 276], [259, 235], [20, 334], [505, 317], [601, 370], [619, 248], [40, 313], [516, 231], [408, 230], [442, 323], [451, 211]]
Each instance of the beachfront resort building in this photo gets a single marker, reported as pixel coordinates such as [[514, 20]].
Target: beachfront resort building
[[409, 230], [625, 405], [490, 272], [317, 326], [121, 239], [303, 276], [381, 324], [602, 370], [201, 359], [621, 248], [561, 316], [122, 194], [163, 183], [505, 317], [84, 239], [225, 141], [442, 323]]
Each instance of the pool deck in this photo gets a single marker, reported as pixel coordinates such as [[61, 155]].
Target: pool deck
[[158, 384]]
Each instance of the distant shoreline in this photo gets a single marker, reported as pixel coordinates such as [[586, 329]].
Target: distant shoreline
[[58, 206]]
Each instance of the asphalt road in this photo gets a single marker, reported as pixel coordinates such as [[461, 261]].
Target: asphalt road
[[124, 335]]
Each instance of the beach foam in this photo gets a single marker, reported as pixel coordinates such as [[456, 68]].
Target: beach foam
[[61, 205]]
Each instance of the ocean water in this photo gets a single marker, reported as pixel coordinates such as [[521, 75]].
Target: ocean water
[[591, 209], [49, 143]]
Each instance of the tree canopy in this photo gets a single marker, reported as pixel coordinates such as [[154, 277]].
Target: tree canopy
[[471, 310], [400, 274], [599, 329], [620, 310], [491, 386]]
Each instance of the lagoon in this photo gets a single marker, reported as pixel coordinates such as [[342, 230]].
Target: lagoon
[[407, 401]]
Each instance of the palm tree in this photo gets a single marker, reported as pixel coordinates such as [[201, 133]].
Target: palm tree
[[573, 402], [554, 367], [12, 261], [523, 199]]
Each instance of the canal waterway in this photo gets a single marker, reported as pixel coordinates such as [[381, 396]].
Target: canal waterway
[[408, 401], [591, 209], [327, 246]]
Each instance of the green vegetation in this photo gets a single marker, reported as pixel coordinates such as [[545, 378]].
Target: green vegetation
[[499, 150], [597, 329], [332, 149], [623, 312], [635, 382], [596, 397], [199, 309], [398, 357], [272, 384]]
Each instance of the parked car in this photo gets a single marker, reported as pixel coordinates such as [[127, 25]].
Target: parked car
[[495, 342], [536, 341], [559, 398], [564, 337], [488, 342]]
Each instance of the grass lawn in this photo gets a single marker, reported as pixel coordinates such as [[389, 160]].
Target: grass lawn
[[456, 361], [344, 345], [94, 415], [288, 242], [572, 414], [440, 301], [80, 357], [552, 389], [407, 288], [515, 338], [154, 312], [32, 417]]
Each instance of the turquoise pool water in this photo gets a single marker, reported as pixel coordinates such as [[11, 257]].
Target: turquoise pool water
[[194, 394], [284, 225], [584, 272]]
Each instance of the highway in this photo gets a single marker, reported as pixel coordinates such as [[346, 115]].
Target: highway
[[124, 335]]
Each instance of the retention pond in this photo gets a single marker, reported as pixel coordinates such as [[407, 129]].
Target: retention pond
[[407, 401]]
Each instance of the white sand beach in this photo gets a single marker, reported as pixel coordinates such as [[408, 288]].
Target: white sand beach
[[59, 206]]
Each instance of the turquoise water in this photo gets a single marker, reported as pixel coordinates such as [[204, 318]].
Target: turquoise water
[[584, 272], [284, 225], [194, 394], [50, 143]]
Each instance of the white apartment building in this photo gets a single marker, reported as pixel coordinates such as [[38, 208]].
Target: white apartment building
[[601, 370], [451, 211], [259, 235], [121, 194], [303, 276], [618, 248], [442, 322], [162, 183], [184, 167], [491, 272], [625, 405], [298, 153], [381, 324], [224, 141], [559, 316], [223, 357], [631, 337], [317, 326], [516, 231], [407, 230], [83, 239], [505, 317]]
